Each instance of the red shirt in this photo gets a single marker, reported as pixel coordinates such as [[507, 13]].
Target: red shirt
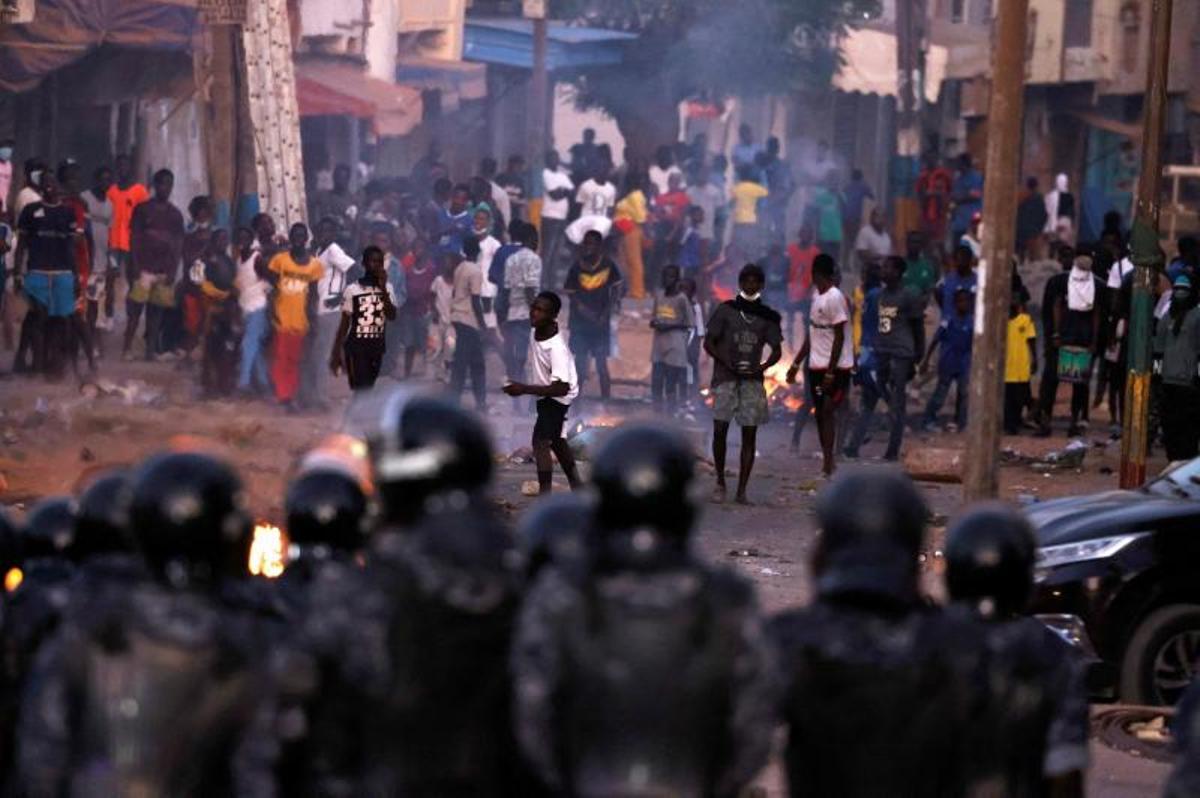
[[800, 271], [83, 260], [673, 205]]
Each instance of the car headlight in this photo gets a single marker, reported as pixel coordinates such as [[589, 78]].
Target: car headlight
[[1084, 550]]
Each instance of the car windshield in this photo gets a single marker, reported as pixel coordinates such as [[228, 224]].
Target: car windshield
[[1183, 481]]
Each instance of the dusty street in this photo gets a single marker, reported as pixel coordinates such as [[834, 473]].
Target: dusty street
[[51, 435]]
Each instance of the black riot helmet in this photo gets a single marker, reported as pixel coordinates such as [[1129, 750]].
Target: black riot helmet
[[989, 560], [426, 446], [102, 518], [326, 512], [643, 478], [872, 523], [553, 532], [186, 516], [49, 530]]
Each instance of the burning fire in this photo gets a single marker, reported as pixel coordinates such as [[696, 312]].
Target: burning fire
[[13, 579], [779, 393], [267, 551]]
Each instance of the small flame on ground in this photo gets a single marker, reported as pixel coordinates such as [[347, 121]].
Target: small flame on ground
[[13, 579], [267, 551]]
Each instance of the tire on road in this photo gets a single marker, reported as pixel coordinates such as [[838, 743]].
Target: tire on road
[[1156, 630]]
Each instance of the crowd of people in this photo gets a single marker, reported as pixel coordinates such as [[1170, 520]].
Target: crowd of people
[[411, 643], [443, 272]]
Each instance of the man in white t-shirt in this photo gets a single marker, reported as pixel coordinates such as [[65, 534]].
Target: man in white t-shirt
[[873, 243], [596, 197], [556, 384], [557, 190], [488, 245], [314, 375], [829, 354]]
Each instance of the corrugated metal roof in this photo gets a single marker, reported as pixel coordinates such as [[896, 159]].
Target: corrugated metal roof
[[508, 41]]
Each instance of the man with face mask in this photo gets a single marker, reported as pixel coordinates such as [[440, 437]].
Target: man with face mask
[[738, 331], [1178, 338]]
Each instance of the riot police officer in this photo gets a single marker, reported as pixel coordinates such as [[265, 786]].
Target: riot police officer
[[880, 692], [108, 563], [152, 696], [553, 532], [418, 640], [650, 675], [1032, 738]]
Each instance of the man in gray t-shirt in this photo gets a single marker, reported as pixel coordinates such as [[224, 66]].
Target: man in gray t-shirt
[[899, 341], [672, 322]]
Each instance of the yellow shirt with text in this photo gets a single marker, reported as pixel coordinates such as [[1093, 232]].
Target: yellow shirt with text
[[291, 293], [1018, 363]]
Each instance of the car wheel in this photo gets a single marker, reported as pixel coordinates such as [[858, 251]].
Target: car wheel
[[1160, 660]]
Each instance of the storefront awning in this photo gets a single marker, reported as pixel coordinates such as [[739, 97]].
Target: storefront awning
[[63, 31], [869, 65], [508, 41], [336, 88]]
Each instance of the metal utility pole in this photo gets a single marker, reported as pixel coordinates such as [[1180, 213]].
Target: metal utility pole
[[1006, 110], [1147, 257], [539, 89]]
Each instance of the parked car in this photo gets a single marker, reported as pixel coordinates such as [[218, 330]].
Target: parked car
[[1118, 574]]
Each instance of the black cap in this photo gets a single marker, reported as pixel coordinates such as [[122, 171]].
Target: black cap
[[102, 519], [990, 555], [187, 518], [427, 445], [872, 523], [326, 509]]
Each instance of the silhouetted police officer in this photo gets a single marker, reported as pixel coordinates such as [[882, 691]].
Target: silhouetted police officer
[[1032, 739], [152, 696], [649, 674], [880, 693], [418, 640], [553, 531]]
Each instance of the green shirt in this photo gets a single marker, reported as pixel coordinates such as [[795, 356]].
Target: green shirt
[[920, 276], [829, 216]]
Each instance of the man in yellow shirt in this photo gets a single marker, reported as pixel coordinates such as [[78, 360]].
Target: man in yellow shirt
[[295, 274], [746, 194], [1020, 364]]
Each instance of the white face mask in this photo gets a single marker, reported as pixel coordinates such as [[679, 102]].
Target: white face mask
[[750, 297]]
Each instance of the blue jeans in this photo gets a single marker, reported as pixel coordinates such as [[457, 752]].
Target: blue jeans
[[253, 371], [939, 398]]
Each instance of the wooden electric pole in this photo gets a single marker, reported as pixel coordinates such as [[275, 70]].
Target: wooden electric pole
[[1147, 256], [1005, 115]]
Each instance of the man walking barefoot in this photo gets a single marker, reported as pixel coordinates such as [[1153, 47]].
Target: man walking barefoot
[[738, 332]]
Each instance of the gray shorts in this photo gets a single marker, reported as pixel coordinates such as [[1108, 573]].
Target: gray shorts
[[741, 401]]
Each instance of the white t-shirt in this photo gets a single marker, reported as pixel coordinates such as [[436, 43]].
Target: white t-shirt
[[333, 282], [1118, 271], [252, 289], [502, 202], [828, 311], [551, 180], [522, 270], [661, 178], [709, 197], [597, 200], [551, 361], [878, 244], [487, 250]]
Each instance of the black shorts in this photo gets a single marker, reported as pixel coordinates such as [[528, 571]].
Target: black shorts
[[590, 340], [363, 362], [841, 386], [551, 416]]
